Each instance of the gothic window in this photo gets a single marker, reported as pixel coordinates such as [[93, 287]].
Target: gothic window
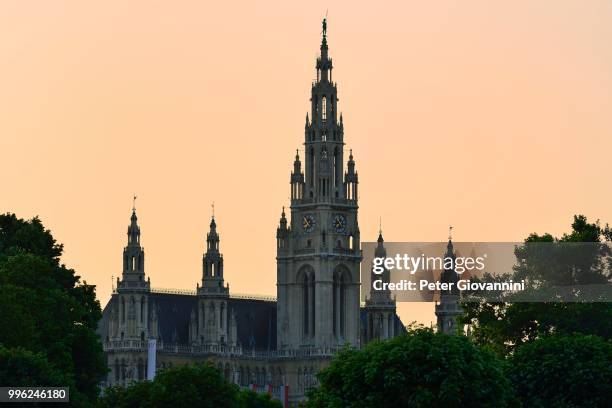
[[221, 315], [122, 310], [324, 137], [142, 309], [340, 287], [324, 108], [305, 305], [117, 369], [140, 369], [133, 263], [306, 282], [212, 269], [312, 165], [203, 317], [335, 169]]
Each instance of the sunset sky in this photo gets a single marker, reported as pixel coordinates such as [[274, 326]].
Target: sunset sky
[[495, 117]]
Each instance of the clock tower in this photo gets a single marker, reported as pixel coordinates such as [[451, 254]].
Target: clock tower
[[318, 251]]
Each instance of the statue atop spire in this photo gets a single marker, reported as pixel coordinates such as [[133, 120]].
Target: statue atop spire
[[324, 24]]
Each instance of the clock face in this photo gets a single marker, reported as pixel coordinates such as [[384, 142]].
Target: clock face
[[308, 222], [339, 223]]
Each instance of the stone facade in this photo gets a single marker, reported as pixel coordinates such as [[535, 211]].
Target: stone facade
[[269, 342]]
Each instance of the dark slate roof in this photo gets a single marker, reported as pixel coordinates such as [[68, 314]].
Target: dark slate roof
[[256, 323], [173, 313], [255, 319]]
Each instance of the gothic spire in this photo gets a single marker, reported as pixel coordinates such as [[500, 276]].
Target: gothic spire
[[449, 247], [324, 63], [283, 219], [133, 256], [212, 261], [212, 238], [133, 229]]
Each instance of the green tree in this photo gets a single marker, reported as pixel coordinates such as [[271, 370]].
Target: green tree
[[504, 326], [420, 369], [197, 385], [48, 316], [563, 371]]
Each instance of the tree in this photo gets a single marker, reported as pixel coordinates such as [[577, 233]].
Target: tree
[[563, 371], [197, 385], [504, 326], [49, 316], [421, 368]]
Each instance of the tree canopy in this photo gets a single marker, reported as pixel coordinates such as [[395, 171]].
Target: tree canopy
[[421, 368], [503, 326], [563, 371], [197, 385], [48, 317]]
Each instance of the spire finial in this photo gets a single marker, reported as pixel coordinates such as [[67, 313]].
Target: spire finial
[[380, 225], [450, 232], [213, 209], [134, 203], [324, 25]]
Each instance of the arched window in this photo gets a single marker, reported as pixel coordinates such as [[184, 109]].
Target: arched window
[[122, 310], [335, 170], [221, 315], [306, 282], [324, 108], [340, 287], [140, 369], [117, 369], [305, 305], [311, 167], [142, 309]]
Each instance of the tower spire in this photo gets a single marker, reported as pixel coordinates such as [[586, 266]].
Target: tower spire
[[133, 254]]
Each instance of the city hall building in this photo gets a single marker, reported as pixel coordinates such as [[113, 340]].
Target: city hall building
[[277, 344]]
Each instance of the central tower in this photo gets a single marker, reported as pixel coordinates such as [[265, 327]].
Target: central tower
[[318, 253]]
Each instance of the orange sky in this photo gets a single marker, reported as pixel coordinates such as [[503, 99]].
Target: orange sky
[[491, 116]]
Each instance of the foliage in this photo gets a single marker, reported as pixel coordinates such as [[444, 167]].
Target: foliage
[[48, 316], [198, 385], [505, 326], [563, 371], [420, 368]]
